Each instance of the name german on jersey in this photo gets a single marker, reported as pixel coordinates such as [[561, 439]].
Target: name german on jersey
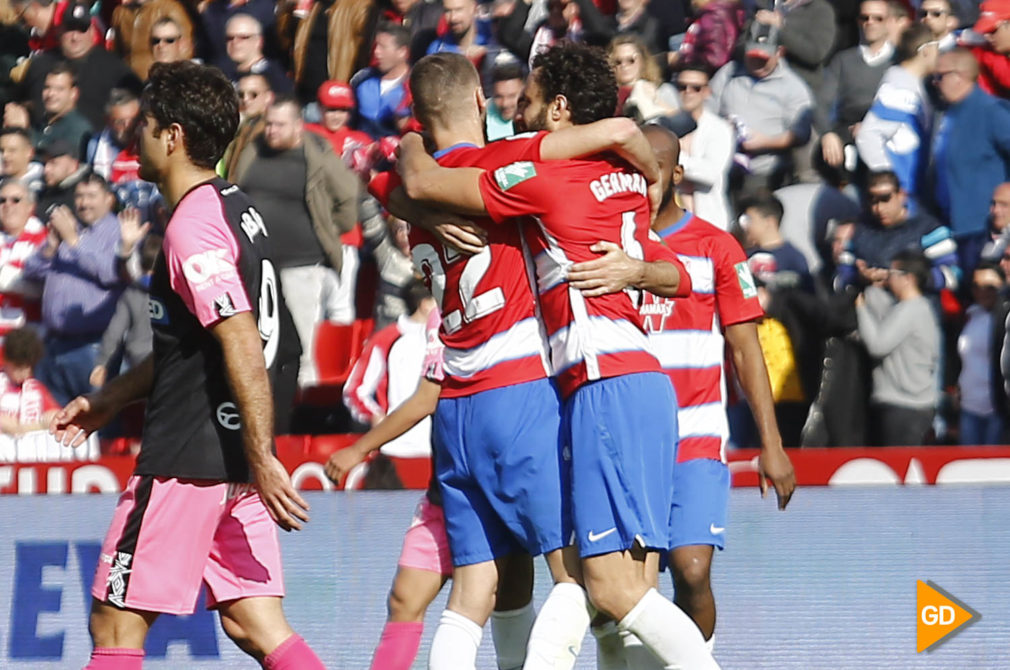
[[617, 182]]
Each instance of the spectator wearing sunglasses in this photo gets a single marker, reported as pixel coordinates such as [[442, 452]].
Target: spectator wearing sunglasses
[[243, 36], [21, 234], [157, 31], [941, 19], [850, 82], [894, 223], [970, 152], [706, 153]]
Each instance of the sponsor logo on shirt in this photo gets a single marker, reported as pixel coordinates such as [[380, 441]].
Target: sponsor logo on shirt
[[156, 310], [746, 279], [224, 306], [205, 266], [654, 314], [227, 416], [514, 174]]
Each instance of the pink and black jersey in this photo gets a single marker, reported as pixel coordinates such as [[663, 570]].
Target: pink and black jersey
[[577, 204], [214, 264], [489, 327], [687, 333]]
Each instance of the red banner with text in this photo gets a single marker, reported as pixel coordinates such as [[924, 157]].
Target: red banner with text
[[304, 457]]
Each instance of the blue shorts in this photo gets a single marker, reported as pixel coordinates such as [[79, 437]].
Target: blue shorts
[[700, 502], [623, 435], [499, 463]]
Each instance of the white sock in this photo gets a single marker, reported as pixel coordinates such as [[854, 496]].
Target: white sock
[[636, 654], [454, 646], [609, 647], [668, 632], [510, 631], [710, 643], [557, 634]]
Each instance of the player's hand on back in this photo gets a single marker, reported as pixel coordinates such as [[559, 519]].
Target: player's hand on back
[[774, 464], [458, 233], [82, 416], [411, 155], [287, 508], [612, 272]]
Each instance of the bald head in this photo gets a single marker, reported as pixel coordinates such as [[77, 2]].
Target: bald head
[[664, 143], [444, 87], [666, 146], [963, 61], [999, 207]]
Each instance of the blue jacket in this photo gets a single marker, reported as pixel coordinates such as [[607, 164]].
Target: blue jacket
[[378, 113], [876, 246], [971, 156]]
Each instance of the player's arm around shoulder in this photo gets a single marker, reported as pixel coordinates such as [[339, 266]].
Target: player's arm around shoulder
[[660, 272], [246, 373], [424, 180]]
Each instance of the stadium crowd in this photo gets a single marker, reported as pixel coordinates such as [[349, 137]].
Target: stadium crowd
[[860, 152]]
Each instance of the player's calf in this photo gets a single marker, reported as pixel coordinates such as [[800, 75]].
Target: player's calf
[[691, 567]]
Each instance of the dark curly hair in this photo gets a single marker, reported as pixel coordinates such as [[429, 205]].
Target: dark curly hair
[[201, 100], [583, 75]]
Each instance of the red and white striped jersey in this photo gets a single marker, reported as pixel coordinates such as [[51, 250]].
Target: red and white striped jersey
[[687, 333], [384, 376], [28, 402], [577, 204], [491, 335], [19, 300]]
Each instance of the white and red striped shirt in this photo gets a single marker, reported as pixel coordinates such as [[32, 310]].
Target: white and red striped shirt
[[577, 204], [384, 376], [687, 333], [20, 300], [491, 335], [28, 402]]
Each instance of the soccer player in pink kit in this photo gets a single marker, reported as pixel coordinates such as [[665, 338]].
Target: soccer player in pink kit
[[618, 425], [220, 332]]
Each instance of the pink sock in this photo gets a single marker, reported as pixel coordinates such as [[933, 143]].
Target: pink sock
[[398, 645], [109, 658], [293, 654]]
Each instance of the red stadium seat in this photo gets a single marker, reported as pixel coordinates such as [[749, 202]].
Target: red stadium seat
[[336, 349], [321, 446]]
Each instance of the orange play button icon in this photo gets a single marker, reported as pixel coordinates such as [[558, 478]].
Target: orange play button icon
[[940, 615]]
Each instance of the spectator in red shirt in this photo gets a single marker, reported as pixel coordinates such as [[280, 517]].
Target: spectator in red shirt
[[21, 234], [336, 106], [994, 59], [44, 18], [25, 403]]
